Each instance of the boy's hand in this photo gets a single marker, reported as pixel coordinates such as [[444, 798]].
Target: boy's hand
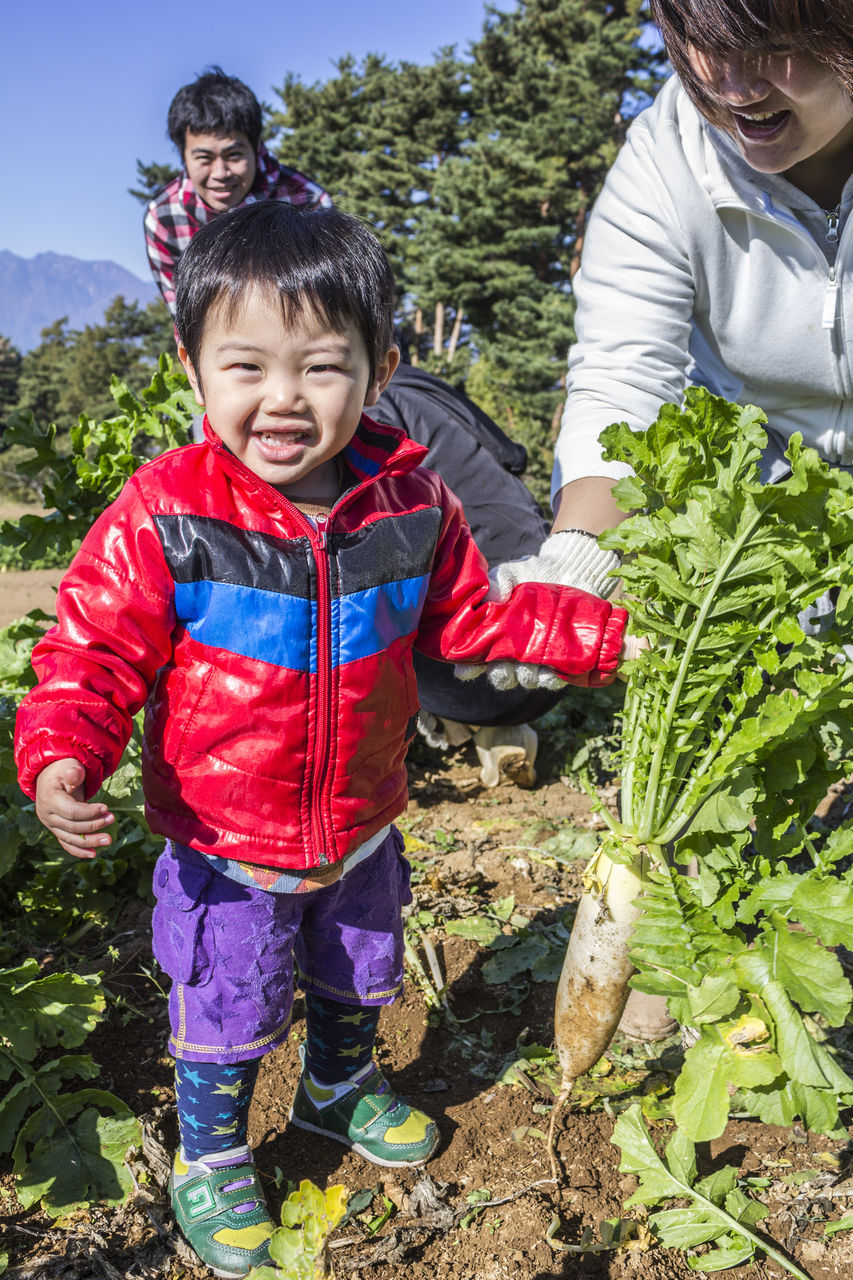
[[571, 558], [61, 808]]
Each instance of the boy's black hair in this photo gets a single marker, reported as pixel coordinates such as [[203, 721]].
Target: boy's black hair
[[305, 256], [214, 103]]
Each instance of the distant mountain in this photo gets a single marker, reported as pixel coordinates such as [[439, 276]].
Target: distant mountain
[[35, 292]]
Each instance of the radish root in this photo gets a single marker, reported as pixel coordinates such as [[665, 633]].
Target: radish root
[[593, 985]]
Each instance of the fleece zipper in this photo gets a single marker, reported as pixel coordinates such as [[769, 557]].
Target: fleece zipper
[[829, 314]]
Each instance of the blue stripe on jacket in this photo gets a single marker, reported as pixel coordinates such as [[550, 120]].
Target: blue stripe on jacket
[[273, 627]]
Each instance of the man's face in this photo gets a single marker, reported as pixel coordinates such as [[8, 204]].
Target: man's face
[[221, 168]]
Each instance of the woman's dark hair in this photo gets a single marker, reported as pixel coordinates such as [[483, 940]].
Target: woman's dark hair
[[823, 28], [306, 257], [214, 103]]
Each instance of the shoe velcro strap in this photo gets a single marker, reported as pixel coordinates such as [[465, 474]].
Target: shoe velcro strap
[[367, 1092], [202, 1197]]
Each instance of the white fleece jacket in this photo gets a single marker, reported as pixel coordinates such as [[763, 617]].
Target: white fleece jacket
[[694, 272]]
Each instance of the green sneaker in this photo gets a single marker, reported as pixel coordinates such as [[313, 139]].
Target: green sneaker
[[227, 1240], [370, 1118]]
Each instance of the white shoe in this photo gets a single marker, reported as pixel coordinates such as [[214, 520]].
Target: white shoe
[[646, 1018], [440, 734], [507, 753]]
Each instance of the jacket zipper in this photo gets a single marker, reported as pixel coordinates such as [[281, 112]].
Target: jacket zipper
[[319, 542], [322, 742], [829, 315], [323, 739], [830, 300]]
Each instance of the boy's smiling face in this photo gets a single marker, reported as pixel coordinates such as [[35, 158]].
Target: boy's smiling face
[[285, 399]]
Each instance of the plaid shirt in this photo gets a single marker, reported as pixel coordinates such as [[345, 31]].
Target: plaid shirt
[[176, 213]]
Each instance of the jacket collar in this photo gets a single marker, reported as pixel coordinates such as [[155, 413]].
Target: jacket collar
[[375, 449], [723, 173]]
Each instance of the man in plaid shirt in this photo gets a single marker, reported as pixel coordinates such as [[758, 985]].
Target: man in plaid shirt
[[215, 123]]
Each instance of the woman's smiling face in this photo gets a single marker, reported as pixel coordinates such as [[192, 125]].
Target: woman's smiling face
[[785, 110]]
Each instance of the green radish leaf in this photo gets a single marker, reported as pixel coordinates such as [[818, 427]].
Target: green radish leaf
[[681, 1157], [812, 976], [72, 1155], [35, 1088], [731, 1251], [843, 1224], [640, 1158], [685, 1229], [477, 928], [40, 1012], [826, 907], [718, 1184], [508, 964], [716, 996], [701, 1105]]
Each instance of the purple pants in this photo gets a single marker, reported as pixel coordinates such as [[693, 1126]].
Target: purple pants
[[229, 949]]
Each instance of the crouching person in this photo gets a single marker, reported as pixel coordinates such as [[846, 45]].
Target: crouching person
[[261, 592]]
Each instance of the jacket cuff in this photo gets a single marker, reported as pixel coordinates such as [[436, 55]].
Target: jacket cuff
[[612, 641], [34, 759]]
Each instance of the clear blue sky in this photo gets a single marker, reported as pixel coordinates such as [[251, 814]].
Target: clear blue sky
[[85, 86]]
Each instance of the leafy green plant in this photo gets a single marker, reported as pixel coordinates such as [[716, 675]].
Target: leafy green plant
[[718, 1213], [733, 717], [67, 1146], [47, 895], [520, 946], [81, 483], [65, 1150], [760, 988], [299, 1246], [477, 1201], [580, 735], [735, 723]]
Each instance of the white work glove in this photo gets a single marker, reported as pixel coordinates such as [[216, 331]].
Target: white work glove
[[571, 558]]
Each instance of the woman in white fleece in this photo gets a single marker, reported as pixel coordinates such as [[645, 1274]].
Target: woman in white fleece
[[718, 253], [719, 248]]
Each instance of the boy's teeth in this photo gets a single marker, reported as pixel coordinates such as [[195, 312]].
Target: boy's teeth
[[759, 115]]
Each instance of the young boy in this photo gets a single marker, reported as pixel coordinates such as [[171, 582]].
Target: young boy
[[263, 591]]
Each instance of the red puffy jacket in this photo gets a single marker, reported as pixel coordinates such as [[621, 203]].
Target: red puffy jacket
[[275, 658]]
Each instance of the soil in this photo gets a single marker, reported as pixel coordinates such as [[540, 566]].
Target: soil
[[472, 847]]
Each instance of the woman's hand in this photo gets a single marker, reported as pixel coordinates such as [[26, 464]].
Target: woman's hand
[[632, 647], [61, 808]]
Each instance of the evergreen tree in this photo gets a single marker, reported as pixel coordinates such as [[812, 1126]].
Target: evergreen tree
[[10, 375], [375, 135], [151, 178], [503, 236], [43, 373]]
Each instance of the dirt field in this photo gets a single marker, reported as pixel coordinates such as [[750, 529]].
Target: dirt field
[[21, 592], [473, 848]]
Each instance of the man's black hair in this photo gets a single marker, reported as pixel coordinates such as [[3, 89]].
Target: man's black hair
[[214, 103], [305, 256]]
